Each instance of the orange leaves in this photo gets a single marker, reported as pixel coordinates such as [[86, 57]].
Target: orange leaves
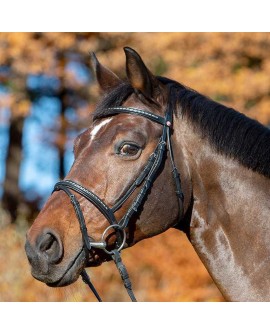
[[231, 67], [22, 108], [19, 107], [61, 40], [5, 100]]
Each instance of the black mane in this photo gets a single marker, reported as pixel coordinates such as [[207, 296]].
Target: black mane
[[228, 131]]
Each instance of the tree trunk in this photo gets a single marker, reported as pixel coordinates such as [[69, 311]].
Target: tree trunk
[[62, 135], [11, 192]]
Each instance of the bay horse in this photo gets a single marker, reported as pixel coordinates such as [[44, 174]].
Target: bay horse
[[159, 155]]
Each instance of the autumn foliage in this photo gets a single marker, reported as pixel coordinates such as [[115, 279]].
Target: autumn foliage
[[232, 68]]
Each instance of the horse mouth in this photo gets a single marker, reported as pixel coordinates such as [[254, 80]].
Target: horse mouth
[[72, 273], [74, 270]]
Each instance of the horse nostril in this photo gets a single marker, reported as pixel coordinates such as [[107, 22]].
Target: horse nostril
[[48, 241], [51, 247]]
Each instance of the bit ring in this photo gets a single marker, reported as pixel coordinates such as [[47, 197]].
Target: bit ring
[[115, 227]]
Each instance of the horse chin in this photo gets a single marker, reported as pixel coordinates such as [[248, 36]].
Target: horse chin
[[75, 267], [72, 273]]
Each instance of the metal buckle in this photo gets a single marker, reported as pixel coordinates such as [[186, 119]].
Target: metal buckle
[[115, 227]]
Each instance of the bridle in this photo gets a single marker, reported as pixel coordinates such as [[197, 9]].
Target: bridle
[[145, 180]]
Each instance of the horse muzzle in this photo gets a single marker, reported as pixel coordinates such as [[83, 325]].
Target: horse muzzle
[[45, 256]]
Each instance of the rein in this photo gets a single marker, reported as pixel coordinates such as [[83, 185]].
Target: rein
[[145, 180]]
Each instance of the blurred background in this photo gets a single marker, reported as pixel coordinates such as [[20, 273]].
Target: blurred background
[[47, 92]]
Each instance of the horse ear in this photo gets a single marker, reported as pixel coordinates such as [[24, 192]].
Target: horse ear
[[141, 79], [106, 79]]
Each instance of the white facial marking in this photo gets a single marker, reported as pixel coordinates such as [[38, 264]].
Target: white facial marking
[[97, 128]]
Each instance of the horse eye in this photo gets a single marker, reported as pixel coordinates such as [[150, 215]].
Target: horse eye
[[129, 149]]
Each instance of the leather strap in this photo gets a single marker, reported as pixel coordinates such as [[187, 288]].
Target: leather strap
[[90, 196], [135, 111]]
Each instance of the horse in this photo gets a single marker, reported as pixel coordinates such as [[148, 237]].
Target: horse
[[159, 155]]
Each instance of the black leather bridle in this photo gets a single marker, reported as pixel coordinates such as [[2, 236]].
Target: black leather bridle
[[145, 180]]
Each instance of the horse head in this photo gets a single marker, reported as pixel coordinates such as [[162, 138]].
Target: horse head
[[120, 186]]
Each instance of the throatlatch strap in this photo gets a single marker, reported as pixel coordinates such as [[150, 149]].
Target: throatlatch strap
[[176, 177]]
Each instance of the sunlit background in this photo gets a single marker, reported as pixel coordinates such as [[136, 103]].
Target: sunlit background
[[47, 93]]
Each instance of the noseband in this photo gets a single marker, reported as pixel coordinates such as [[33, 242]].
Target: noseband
[[145, 180]]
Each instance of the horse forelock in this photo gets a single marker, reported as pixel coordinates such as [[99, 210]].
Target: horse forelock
[[115, 98]]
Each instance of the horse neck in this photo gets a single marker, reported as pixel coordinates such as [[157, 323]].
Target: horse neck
[[230, 225]]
